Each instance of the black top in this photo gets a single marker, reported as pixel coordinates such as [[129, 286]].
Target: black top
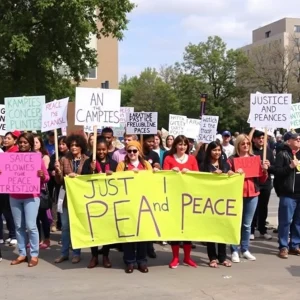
[[211, 168], [109, 164], [152, 157], [110, 154]]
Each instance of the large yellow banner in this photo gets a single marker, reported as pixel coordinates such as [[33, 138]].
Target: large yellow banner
[[165, 206]]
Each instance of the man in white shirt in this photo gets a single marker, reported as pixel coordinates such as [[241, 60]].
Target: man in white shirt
[[227, 147]]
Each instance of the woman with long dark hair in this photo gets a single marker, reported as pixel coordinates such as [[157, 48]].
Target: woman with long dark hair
[[214, 163], [179, 160], [158, 147], [169, 142], [25, 209]]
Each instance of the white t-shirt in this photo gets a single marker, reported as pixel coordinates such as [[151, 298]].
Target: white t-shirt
[[1, 150], [229, 150]]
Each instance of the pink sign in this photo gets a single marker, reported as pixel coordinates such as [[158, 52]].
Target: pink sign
[[19, 173]]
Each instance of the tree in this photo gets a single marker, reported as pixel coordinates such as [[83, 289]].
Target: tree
[[211, 68], [38, 37]]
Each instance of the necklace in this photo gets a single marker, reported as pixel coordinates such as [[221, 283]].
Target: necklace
[[180, 159]]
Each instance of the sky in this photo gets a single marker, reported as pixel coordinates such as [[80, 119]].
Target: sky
[[159, 30]]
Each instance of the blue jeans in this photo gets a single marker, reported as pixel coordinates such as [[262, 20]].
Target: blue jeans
[[25, 213], [249, 207], [65, 235], [289, 222], [135, 253]]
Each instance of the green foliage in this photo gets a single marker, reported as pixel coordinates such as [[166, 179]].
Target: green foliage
[[38, 37]]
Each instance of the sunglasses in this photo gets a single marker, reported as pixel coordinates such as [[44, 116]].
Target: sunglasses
[[245, 144], [132, 151]]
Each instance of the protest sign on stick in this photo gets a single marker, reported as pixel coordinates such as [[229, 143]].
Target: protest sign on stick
[[208, 129], [177, 125], [141, 123], [2, 120], [295, 116], [192, 127], [19, 173], [95, 106], [24, 113]]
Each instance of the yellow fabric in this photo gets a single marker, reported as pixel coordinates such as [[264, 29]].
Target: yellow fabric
[[146, 206]]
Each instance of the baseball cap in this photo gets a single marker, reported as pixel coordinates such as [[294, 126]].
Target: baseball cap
[[16, 134], [51, 132], [258, 133], [290, 136], [226, 133]]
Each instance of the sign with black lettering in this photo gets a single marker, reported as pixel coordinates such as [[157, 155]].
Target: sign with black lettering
[[95, 106], [141, 123], [208, 129], [2, 120], [271, 110], [177, 125]]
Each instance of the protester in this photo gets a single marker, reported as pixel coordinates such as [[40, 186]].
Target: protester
[[49, 143], [103, 164], [169, 142], [179, 160], [120, 154], [70, 165], [91, 140], [108, 134], [261, 213], [214, 163], [25, 210], [53, 186], [158, 147], [287, 187], [134, 252], [243, 148], [227, 147]]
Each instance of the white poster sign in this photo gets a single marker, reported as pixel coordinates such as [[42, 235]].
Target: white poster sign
[[192, 128], [2, 120], [88, 128], [123, 112], [271, 110], [141, 123], [54, 115], [295, 116], [95, 106], [177, 125], [119, 131], [208, 129]]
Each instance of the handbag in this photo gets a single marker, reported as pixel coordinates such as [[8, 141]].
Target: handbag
[[45, 198]]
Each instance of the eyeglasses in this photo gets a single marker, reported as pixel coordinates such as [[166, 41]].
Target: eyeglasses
[[132, 151], [245, 144]]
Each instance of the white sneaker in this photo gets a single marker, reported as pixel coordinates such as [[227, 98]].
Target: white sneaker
[[235, 258], [1, 241], [164, 243], [266, 236], [7, 241], [249, 256], [252, 237], [13, 242]]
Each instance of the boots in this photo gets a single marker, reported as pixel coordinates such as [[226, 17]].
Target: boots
[[175, 261], [187, 261]]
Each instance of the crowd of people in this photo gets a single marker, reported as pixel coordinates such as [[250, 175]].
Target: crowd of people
[[30, 219]]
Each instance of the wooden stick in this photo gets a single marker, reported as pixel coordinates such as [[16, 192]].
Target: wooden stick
[[95, 142], [56, 144], [142, 140], [265, 145]]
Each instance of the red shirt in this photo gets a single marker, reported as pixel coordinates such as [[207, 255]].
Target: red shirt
[[14, 148], [131, 167], [170, 163]]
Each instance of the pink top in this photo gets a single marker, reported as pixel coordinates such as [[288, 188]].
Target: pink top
[[27, 196], [119, 155]]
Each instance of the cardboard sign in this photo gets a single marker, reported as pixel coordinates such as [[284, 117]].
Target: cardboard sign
[[141, 123], [24, 113], [192, 127], [19, 173], [54, 115], [94, 106], [119, 131], [271, 110], [295, 116], [177, 125], [250, 165], [123, 112], [72, 128], [2, 120], [208, 129]]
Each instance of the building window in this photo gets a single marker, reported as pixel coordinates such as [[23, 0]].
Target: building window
[[268, 34], [297, 28], [296, 41], [92, 73]]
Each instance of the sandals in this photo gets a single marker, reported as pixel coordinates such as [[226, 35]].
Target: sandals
[[214, 264], [226, 264]]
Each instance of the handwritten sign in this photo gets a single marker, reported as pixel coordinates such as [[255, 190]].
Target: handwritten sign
[[271, 110], [99, 107], [141, 123], [250, 165], [295, 116], [24, 113], [177, 125], [19, 173], [2, 120], [119, 131], [171, 208], [123, 112], [208, 129], [192, 127], [54, 115]]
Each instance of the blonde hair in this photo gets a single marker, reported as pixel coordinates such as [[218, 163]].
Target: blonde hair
[[241, 138]]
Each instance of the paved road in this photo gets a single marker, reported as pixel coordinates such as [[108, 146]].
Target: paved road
[[267, 278]]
